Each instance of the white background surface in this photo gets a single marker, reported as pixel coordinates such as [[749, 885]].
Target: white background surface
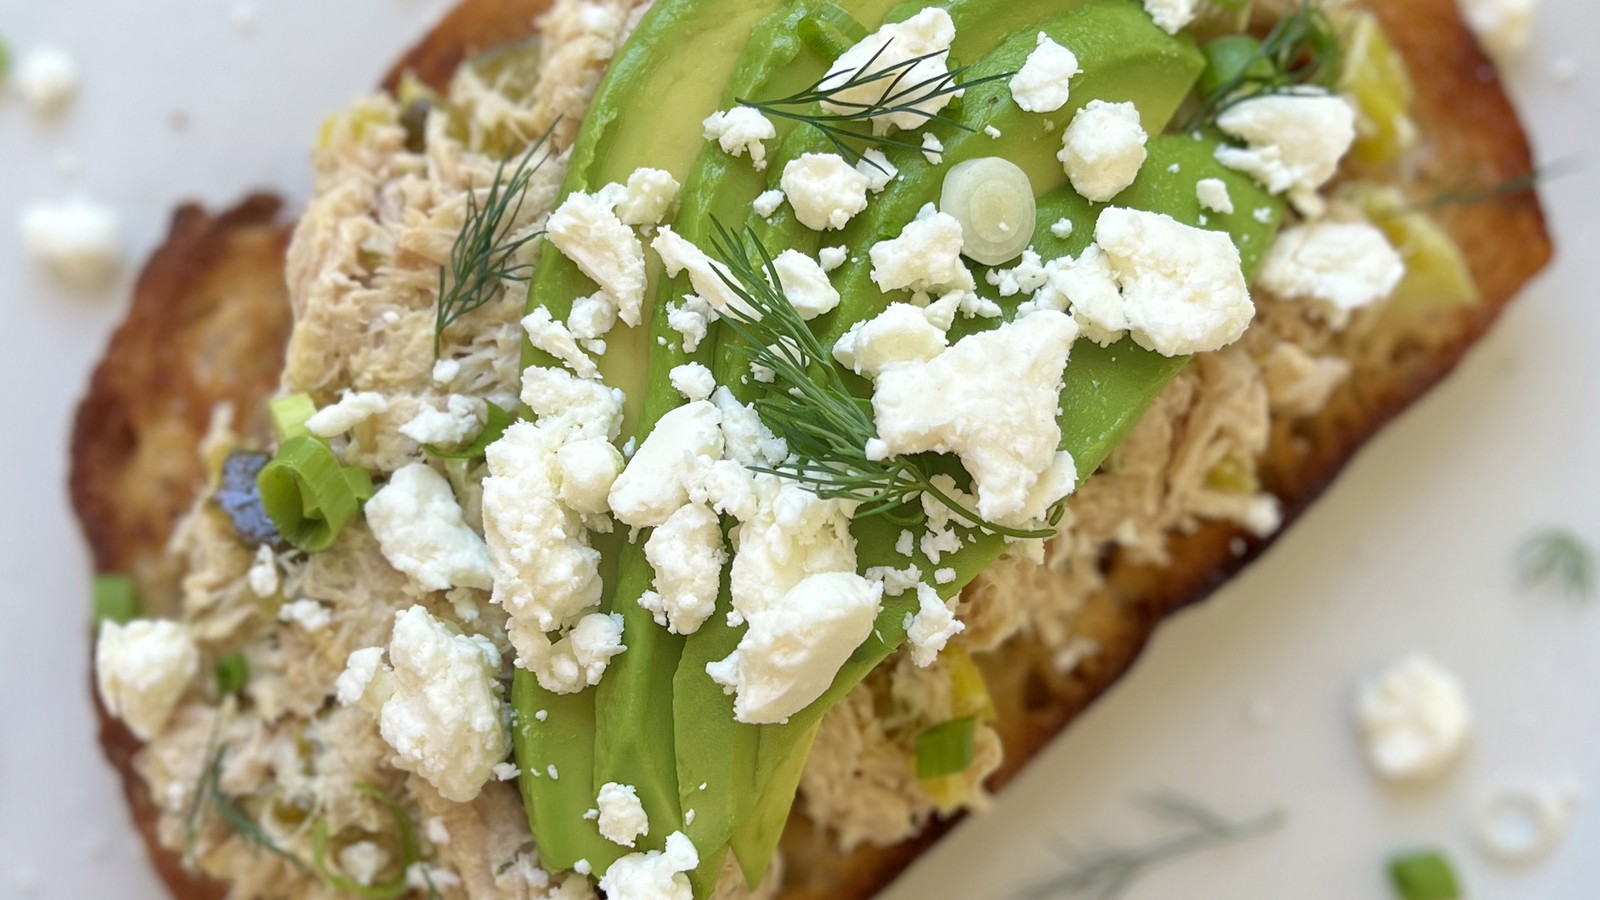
[[1243, 703]]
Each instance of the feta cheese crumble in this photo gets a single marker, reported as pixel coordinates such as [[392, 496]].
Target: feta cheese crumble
[[1172, 15], [656, 482], [457, 423], [926, 258], [47, 79], [741, 130], [920, 47], [932, 149], [711, 280], [687, 554], [263, 576], [833, 257], [622, 819], [142, 669], [805, 284], [825, 191], [931, 627], [1103, 149], [1414, 719], [308, 614], [1295, 142], [1339, 266], [586, 229], [693, 381], [1503, 26], [438, 702], [1043, 84], [423, 533], [350, 411], [1182, 287], [77, 240], [1213, 195], [657, 875], [791, 652], [651, 193], [766, 205], [878, 170], [899, 334]]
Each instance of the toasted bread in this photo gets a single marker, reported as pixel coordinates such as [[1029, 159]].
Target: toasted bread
[[135, 469]]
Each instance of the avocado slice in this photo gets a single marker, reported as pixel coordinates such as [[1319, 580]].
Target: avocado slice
[[647, 112]]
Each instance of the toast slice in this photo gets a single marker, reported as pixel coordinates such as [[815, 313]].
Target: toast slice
[[213, 295]]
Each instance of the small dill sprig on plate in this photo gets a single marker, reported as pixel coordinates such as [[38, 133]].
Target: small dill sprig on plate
[[1105, 872], [483, 258], [1468, 193], [841, 127], [1302, 50], [808, 404], [1558, 556]]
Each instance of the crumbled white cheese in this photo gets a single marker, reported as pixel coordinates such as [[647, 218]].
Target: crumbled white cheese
[[592, 317], [47, 79], [1295, 141], [552, 337], [657, 875], [1061, 228], [786, 534], [143, 669], [1088, 288], [926, 257], [263, 576], [805, 284], [457, 423], [651, 193], [825, 191], [687, 554], [1503, 26], [422, 532], [833, 257], [991, 399], [1183, 289], [360, 672], [308, 614], [1172, 15], [621, 818], [917, 50], [1027, 276], [878, 170], [446, 371], [655, 483], [78, 240], [791, 652], [692, 380], [351, 410], [741, 130], [691, 319], [586, 229], [932, 149], [1103, 149], [899, 334], [1043, 84], [505, 771], [746, 440], [1213, 195], [767, 203], [1339, 266], [932, 626], [362, 861], [895, 581], [1414, 719], [711, 279], [439, 704], [581, 658], [588, 470]]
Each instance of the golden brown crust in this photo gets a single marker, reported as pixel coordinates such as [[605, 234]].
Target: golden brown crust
[[154, 391]]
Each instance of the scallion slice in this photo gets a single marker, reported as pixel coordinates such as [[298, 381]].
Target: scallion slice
[[495, 425], [116, 599], [308, 495], [946, 749], [993, 200], [289, 415], [232, 672], [1424, 875], [410, 853]]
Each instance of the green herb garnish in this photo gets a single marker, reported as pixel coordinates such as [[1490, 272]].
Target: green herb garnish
[[842, 128], [290, 414], [1104, 873], [232, 674], [116, 599], [1424, 875], [208, 796], [483, 258], [809, 405], [1559, 556], [946, 749], [309, 495], [1302, 50]]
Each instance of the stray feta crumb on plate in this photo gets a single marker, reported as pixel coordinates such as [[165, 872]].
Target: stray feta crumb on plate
[[1414, 720], [78, 241], [47, 79], [1043, 84]]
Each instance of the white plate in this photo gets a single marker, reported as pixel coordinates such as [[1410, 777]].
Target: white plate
[[1243, 703]]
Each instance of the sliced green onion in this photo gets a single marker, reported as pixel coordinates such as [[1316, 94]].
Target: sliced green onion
[[993, 200], [1424, 875], [5, 61], [494, 426], [946, 749], [308, 495], [830, 31], [116, 599], [289, 415], [232, 672], [410, 850]]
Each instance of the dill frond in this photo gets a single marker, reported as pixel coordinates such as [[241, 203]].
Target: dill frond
[[209, 797], [1467, 193], [1303, 50], [842, 127], [1104, 872], [483, 258], [808, 404], [1558, 556]]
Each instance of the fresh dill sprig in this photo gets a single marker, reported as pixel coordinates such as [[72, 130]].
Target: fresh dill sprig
[[1303, 49], [1104, 873], [209, 797], [1559, 556], [808, 404], [1471, 194], [896, 97], [483, 258]]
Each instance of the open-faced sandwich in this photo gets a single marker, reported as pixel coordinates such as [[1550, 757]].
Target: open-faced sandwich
[[697, 448]]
